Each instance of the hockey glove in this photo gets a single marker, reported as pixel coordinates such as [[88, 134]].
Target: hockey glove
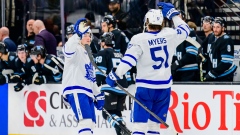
[[210, 76], [80, 27], [19, 86], [4, 78], [99, 101], [168, 10], [15, 78], [112, 78], [177, 64], [40, 80]]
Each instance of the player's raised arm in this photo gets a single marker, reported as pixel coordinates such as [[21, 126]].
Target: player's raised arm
[[70, 47], [181, 30]]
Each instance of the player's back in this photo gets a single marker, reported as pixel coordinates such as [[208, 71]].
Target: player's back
[[153, 65]]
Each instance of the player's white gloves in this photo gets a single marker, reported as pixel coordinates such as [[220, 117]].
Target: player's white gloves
[[112, 78], [168, 10], [80, 27], [99, 101]]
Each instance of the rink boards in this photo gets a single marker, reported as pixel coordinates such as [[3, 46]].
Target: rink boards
[[194, 109]]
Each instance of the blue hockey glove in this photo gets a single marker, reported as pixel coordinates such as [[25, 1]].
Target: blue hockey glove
[[112, 78], [168, 10], [210, 76], [80, 27], [99, 102]]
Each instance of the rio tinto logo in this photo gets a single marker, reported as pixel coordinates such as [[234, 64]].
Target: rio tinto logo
[[35, 108]]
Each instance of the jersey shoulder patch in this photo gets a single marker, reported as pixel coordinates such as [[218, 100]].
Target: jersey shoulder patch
[[226, 37]]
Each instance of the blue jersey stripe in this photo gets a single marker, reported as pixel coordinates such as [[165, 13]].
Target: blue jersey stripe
[[227, 56], [67, 53], [131, 56], [154, 82], [126, 62], [77, 87], [4, 109]]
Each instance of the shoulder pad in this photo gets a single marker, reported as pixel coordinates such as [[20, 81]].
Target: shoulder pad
[[11, 58], [226, 36], [29, 59], [47, 61], [123, 34]]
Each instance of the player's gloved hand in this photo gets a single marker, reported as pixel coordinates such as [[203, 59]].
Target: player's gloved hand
[[99, 102], [168, 10], [40, 80], [19, 86], [177, 64], [112, 78], [211, 75], [4, 78], [80, 27], [15, 78]]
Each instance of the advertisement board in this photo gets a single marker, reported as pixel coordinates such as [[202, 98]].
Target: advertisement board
[[194, 109]]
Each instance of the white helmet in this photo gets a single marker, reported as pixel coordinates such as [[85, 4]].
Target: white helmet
[[154, 17]]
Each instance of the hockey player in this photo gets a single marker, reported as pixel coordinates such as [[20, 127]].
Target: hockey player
[[121, 41], [221, 54], [114, 97], [25, 68], [80, 90], [152, 52], [184, 65], [69, 31], [7, 64], [48, 67], [108, 25], [207, 24]]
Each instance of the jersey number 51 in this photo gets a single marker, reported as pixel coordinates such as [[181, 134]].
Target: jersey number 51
[[153, 52]]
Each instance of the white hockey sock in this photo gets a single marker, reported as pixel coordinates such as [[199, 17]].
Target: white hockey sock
[[153, 128], [85, 126], [139, 128]]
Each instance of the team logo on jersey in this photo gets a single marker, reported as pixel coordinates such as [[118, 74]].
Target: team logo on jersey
[[35, 108], [90, 75], [228, 48]]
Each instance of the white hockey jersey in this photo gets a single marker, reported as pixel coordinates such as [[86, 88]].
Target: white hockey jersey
[[79, 73], [152, 53]]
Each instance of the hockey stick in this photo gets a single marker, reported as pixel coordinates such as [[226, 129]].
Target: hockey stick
[[56, 62], [123, 128], [88, 49], [196, 44]]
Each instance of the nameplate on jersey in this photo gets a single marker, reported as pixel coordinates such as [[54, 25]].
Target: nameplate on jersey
[[157, 41]]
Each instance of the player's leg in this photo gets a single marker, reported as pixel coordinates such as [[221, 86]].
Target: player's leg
[[83, 108], [139, 115], [111, 102], [160, 108]]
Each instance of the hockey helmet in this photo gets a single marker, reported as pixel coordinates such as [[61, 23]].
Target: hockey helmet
[[109, 19], [70, 29], [208, 19], [38, 50], [154, 17], [221, 21], [3, 48], [108, 38], [22, 47], [115, 1]]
